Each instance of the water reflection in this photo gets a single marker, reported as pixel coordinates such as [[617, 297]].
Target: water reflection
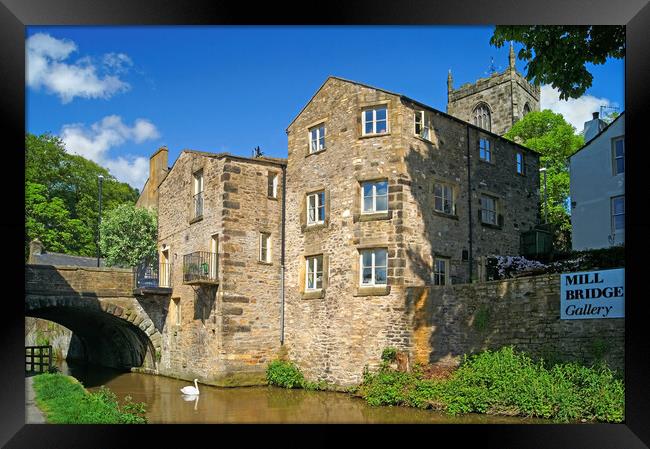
[[166, 404]]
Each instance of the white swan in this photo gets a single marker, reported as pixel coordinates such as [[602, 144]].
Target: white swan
[[191, 389]]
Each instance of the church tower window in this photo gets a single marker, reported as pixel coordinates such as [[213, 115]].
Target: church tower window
[[482, 116]]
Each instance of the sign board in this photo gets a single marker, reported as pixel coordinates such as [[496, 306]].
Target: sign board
[[592, 294]]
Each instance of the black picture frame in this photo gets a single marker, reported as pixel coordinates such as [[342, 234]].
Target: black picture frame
[[15, 15]]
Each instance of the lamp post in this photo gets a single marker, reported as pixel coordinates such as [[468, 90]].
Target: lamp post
[[543, 170], [99, 220]]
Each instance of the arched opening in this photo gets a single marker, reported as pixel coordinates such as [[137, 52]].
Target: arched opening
[[482, 116], [526, 109]]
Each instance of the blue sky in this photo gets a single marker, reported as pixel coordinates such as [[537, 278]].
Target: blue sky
[[115, 94]]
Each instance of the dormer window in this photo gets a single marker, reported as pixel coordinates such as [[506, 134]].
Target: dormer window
[[422, 125], [317, 138], [375, 120]]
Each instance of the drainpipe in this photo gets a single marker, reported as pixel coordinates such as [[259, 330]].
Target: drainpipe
[[469, 204], [284, 192]]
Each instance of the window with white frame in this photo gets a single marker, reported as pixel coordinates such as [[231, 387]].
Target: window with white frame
[[374, 196], [488, 209], [422, 125], [314, 273], [520, 162], [373, 264], [317, 138], [197, 195], [316, 208], [272, 184], [619, 155], [375, 120], [443, 198], [618, 214], [485, 152], [441, 272], [265, 247]]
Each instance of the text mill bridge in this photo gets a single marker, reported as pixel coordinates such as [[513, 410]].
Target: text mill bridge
[[113, 324]]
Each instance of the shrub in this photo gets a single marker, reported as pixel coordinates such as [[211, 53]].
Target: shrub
[[284, 374], [389, 354]]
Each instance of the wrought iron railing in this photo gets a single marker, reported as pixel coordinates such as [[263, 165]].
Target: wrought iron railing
[[198, 205], [38, 359], [200, 266], [152, 275]]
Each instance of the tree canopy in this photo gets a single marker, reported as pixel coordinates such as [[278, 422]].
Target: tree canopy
[[128, 235], [558, 54], [555, 140], [61, 196]]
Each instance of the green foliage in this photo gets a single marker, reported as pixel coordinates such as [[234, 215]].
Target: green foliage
[[128, 235], [389, 354], [65, 401], [61, 196], [284, 374], [506, 382], [555, 139], [558, 54]]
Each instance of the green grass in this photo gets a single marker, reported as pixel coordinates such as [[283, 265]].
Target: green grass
[[65, 401], [506, 382]]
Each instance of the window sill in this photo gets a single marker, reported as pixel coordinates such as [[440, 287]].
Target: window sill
[[314, 294], [491, 226], [491, 161], [196, 219], [315, 226], [368, 136], [443, 214], [374, 290], [274, 198], [315, 152], [423, 139], [373, 216], [261, 262]]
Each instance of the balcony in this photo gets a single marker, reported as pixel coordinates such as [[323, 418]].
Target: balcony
[[153, 277], [200, 267]]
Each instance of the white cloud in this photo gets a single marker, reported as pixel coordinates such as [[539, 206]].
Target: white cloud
[[94, 143], [576, 111], [46, 67]]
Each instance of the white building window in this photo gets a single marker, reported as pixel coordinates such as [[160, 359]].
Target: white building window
[[520, 162], [488, 209], [422, 125], [272, 184], [317, 138], [481, 116], [373, 263], [441, 272], [485, 152], [375, 120], [443, 198], [619, 155], [316, 208], [374, 196], [314, 273], [265, 247], [618, 214]]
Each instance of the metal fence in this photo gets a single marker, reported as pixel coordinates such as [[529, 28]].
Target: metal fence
[[152, 275], [200, 266], [44, 356]]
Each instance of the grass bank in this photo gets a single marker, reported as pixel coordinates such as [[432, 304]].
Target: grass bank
[[65, 401], [503, 382]]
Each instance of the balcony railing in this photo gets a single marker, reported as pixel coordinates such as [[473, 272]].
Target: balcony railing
[[198, 205], [152, 275], [200, 267]]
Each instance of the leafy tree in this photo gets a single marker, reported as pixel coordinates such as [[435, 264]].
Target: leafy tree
[[61, 196], [128, 235], [558, 54], [555, 140]]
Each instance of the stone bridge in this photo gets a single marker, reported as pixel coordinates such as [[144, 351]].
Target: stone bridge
[[112, 324]]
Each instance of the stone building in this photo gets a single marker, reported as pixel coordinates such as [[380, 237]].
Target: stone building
[[494, 103], [219, 237], [385, 193], [158, 169]]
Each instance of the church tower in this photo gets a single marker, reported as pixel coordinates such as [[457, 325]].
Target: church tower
[[494, 103]]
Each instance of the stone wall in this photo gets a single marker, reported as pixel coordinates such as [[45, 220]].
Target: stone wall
[[232, 327], [525, 312]]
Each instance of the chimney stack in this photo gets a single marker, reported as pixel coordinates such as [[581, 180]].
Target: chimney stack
[[596, 114]]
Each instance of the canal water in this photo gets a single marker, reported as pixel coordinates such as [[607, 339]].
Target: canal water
[[167, 405]]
